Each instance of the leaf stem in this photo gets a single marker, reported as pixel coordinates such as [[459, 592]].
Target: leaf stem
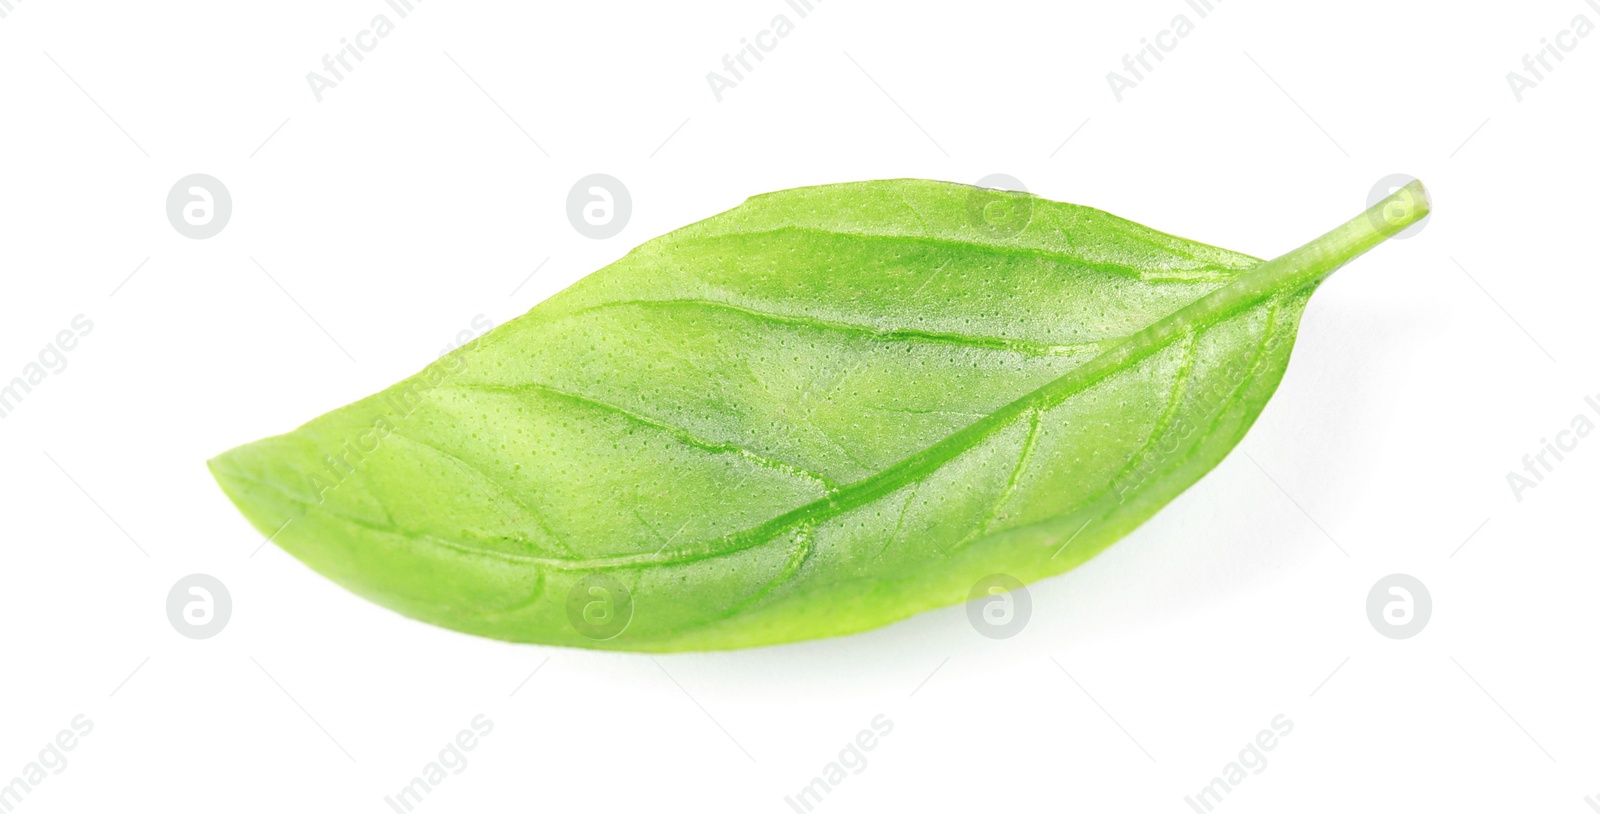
[[1292, 272], [1313, 262]]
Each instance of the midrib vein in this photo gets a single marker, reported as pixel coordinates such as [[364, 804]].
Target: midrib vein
[[1295, 271], [1204, 312], [1208, 310]]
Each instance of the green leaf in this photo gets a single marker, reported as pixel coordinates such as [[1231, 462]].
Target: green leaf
[[822, 411]]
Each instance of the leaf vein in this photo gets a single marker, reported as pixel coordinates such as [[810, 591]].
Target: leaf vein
[[1021, 346], [1028, 443], [1204, 273], [468, 467], [681, 434]]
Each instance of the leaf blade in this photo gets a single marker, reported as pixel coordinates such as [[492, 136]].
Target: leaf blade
[[738, 420]]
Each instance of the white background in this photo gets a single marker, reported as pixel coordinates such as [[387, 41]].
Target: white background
[[410, 200]]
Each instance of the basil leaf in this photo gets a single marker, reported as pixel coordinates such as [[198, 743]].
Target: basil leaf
[[822, 411]]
